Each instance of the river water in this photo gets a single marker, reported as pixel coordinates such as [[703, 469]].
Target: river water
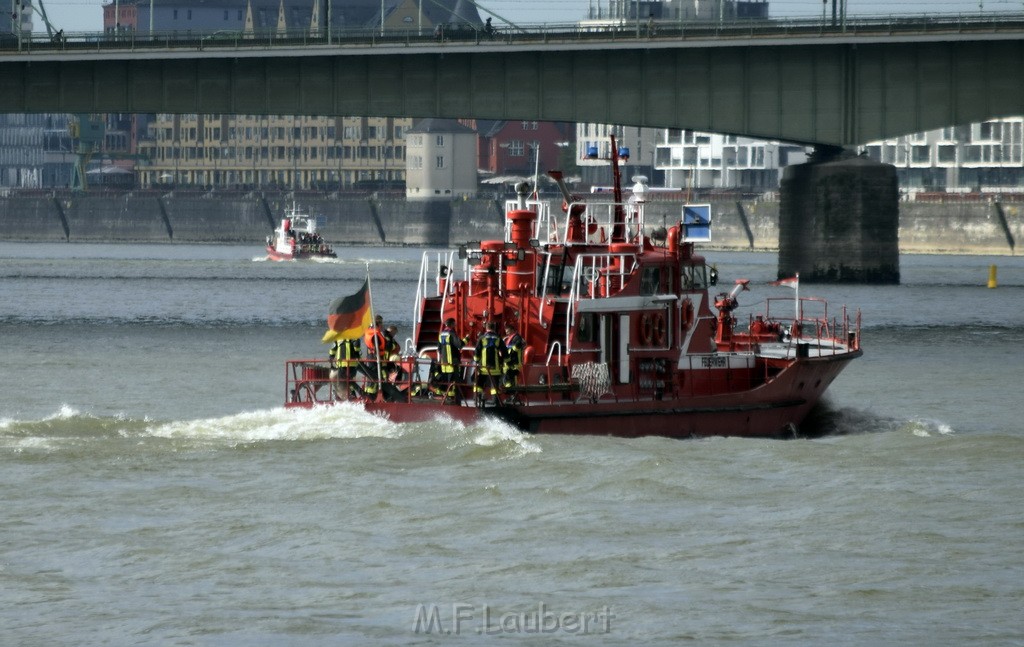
[[155, 491]]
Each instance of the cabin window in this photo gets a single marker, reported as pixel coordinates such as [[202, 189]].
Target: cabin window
[[586, 329], [694, 277], [650, 281], [555, 284]]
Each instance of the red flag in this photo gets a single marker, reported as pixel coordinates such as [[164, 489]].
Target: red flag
[[348, 317]]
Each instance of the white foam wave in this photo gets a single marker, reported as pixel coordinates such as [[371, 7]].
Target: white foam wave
[[490, 432], [926, 428], [66, 412], [328, 260], [340, 421]]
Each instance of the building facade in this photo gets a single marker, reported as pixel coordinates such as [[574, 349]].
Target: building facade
[[278, 152], [276, 17], [36, 151], [441, 160], [677, 10], [521, 148], [249, 151], [17, 17], [982, 157], [697, 160]]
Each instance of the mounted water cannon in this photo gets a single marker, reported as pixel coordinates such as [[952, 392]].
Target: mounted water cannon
[[726, 303]]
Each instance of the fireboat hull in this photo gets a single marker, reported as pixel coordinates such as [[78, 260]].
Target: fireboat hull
[[774, 410]]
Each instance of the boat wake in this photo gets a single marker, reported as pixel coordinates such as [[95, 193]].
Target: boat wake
[[826, 420], [71, 428]]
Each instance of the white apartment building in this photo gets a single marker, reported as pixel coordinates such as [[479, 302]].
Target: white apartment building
[[980, 157], [697, 160], [686, 159]]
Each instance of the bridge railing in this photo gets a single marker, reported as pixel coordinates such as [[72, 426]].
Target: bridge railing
[[465, 34]]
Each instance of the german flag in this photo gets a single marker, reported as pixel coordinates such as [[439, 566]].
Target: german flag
[[348, 317]]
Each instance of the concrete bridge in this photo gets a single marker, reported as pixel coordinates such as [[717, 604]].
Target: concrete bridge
[[806, 82], [831, 85]]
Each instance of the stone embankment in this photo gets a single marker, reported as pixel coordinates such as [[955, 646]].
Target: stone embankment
[[968, 225]]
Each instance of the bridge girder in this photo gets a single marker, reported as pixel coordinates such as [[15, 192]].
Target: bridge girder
[[831, 93]]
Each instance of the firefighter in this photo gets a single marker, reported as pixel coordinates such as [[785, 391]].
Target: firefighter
[[514, 348], [489, 355], [374, 340], [449, 370], [393, 353], [344, 356]]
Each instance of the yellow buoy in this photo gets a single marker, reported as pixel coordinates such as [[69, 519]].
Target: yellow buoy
[[991, 276]]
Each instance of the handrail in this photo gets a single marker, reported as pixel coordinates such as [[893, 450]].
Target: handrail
[[551, 351], [421, 287], [308, 383], [666, 30]]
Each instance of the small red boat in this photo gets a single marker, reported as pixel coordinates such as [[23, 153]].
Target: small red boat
[[623, 334], [296, 238]]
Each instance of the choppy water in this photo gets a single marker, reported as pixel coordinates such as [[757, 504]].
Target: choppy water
[[155, 492]]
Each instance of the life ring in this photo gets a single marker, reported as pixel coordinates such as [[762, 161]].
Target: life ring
[[659, 329], [646, 329], [686, 315]]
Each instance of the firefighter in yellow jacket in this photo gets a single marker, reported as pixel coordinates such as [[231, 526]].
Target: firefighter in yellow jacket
[[449, 360], [344, 355], [489, 356], [514, 349]]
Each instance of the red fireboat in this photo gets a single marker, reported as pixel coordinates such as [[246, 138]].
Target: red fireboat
[[622, 334], [297, 238]]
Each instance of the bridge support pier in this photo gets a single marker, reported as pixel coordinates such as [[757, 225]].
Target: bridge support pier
[[839, 220]]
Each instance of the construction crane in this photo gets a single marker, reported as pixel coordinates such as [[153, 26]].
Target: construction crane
[[87, 132]]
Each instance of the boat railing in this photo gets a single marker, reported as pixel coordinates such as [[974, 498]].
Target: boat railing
[[598, 275], [599, 222], [601, 275], [309, 382], [443, 285], [543, 227], [809, 321]]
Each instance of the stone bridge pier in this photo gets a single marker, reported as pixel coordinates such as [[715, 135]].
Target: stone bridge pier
[[839, 220]]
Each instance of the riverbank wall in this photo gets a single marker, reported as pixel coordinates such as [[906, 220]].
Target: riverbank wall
[[967, 225]]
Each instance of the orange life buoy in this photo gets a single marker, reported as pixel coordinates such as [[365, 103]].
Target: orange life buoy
[[659, 328], [646, 329], [686, 315]]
